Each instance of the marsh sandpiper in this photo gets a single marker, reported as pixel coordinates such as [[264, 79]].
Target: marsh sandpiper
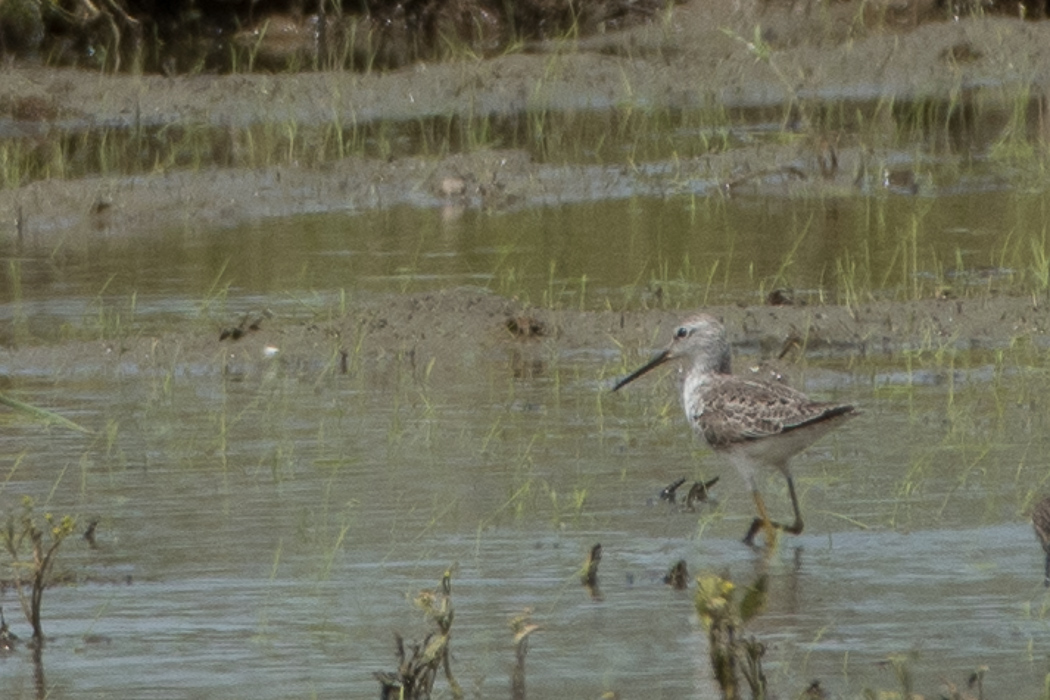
[[755, 423]]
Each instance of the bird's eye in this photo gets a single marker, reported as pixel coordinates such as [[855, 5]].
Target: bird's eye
[[681, 332]]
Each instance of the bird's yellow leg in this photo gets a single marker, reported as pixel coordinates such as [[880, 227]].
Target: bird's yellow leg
[[762, 522]]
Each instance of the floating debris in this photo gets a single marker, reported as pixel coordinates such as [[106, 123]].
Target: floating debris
[[589, 578], [977, 680], [902, 181], [700, 492], [526, 327], [668, 492], [780, 297], [815, 691], [245, 326], [678, 577], [522, 627], [89, 534], [7, 638]]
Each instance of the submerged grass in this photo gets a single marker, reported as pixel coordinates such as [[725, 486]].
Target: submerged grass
[[42, 414], [515, 453], [628, 133], [78, 152], [896, 248]]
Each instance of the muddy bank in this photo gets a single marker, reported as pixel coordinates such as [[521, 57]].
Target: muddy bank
[[439, 335], [700, 55]]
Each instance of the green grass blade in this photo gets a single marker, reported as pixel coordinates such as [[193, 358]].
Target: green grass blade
[[41, 414]]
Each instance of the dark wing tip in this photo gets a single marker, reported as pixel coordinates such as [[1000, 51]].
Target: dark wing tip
[[829, 413], [844, 410]]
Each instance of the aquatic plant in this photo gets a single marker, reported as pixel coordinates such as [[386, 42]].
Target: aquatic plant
[[723, 616], [418, 668], [31, 547]]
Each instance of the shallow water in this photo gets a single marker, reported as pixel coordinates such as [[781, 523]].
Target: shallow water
[[262, 534], [680, 252]]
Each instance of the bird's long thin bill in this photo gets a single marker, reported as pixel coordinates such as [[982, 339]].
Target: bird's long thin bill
[[651, 364]]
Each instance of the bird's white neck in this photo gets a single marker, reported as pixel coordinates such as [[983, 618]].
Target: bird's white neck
[[696, 380]]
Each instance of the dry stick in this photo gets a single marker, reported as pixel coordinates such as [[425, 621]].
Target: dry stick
[[522, 628]]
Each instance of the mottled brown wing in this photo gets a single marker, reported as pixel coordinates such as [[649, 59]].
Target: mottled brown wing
[[738, 410]]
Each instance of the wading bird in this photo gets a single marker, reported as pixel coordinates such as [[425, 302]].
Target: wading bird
[[755, 423]]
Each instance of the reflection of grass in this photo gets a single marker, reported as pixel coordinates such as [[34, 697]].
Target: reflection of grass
[[110, 322], [20, 322], [586, 136], [764, 53], [684, 285], [1014, 145], [896, 255]]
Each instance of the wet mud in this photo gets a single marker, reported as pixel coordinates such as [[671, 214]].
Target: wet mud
[[699, 51]]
